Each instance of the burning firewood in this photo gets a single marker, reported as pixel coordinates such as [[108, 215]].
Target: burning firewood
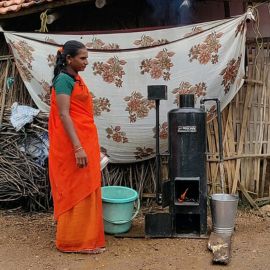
[[183, 196]]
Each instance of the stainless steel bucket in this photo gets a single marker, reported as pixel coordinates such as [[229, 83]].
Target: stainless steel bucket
[[223, 210]]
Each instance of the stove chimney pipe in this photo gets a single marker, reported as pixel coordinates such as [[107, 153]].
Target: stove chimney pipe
[[186, 101]]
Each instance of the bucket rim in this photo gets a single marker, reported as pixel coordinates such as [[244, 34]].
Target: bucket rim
[[119, 200], [222, 196]]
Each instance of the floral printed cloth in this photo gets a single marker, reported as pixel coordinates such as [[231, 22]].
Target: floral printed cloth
[[205, 59]]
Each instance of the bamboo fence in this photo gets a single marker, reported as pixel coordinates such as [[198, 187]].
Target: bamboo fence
[[246, 134], [246, 140]]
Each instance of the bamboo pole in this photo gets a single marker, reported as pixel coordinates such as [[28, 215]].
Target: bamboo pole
[[4, 93], [242, 135]]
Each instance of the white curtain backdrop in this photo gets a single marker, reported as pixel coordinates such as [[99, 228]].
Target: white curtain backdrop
[[206, 59]]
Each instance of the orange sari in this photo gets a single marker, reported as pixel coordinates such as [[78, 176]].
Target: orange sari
[[76, 191]]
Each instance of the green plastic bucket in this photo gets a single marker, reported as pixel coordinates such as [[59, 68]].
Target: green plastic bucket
[[118, 208]]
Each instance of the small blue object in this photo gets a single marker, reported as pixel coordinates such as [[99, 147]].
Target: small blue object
[[10, 82]]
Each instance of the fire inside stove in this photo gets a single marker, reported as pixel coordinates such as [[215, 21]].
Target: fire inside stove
[[186, 192]]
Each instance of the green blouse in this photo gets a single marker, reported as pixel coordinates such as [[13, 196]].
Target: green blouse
[[63, 84]]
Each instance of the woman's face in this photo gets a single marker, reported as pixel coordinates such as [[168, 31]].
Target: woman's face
[[78, 62]]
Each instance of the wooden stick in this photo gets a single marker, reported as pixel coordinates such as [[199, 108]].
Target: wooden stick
[[6, 57], [248, 197], [251, 81], [240, 157], [4, 93], [242, 135]]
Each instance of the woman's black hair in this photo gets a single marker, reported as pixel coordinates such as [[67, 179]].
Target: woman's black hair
[[71, 48]]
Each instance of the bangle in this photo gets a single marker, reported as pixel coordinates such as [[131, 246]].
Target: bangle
[[78, 149], [77, 146]]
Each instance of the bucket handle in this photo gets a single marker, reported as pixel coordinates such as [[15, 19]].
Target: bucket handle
[[119, 222]]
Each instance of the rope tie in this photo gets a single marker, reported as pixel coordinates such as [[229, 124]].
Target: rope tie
[[44, 22]]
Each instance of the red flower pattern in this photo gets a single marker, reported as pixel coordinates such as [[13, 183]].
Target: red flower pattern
[[198, 90], [51, 60], [163, 131], [240, 28], [101, 104], [230, 73], [98, 44], [138, 106], [45, 96], [208, 50], [143, 152], [25, 52], [111, 71], [116, 134], [147, 41], [195, 30], [159, 66], [24, 71]]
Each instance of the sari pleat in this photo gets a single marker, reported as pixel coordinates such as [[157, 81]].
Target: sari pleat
[[81, 228]]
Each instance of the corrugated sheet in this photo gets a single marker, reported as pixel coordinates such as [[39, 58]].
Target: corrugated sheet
[[8, 6]]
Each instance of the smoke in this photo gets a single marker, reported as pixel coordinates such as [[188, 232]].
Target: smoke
[[171, 12], [186, 12], [186, 3]]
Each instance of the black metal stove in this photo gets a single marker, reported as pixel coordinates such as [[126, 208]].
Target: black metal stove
[[186, 190]]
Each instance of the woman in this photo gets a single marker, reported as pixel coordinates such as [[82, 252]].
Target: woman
[[74, 157]]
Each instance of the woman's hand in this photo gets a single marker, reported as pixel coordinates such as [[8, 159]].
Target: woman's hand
[[81, 158]]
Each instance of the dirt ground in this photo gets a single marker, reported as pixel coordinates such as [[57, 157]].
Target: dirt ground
[[27, 242]]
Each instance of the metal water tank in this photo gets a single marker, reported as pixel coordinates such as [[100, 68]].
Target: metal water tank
[[187, 140]]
